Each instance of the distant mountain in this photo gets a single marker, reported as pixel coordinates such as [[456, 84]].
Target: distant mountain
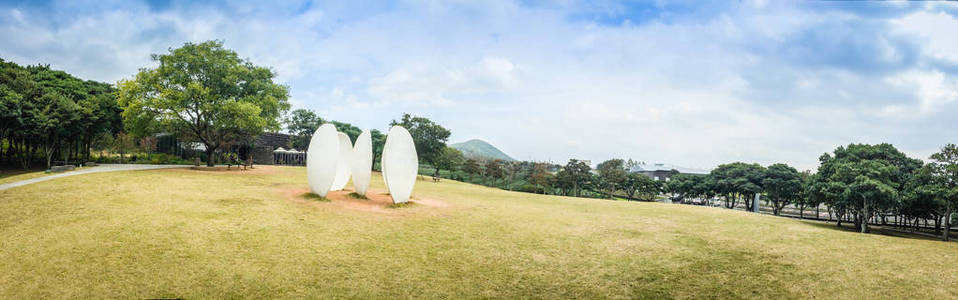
[[479, 149]]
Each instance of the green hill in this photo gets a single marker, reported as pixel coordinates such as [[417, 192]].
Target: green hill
[[481, 150]]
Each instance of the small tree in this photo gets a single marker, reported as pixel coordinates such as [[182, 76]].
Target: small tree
[[148, 145], [783, 184], [494, 170], [574, 176], [471, 167], [451, 159], [645, 187], [612, 175], [540, 176], [122, 144]]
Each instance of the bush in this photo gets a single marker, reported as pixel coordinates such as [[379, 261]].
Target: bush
[[166, 159]]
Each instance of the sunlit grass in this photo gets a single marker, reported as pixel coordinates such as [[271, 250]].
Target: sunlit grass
[[195, 234], [8, 176]]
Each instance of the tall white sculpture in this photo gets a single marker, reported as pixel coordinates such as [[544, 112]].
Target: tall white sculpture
[[342, 164], [322, 158], [400, 164], [361, 162]]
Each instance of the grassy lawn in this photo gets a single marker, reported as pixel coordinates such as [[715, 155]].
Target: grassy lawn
[[205, 234], [8, 176]]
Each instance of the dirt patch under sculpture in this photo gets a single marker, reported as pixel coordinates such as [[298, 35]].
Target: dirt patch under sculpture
[[257, 170], [376, 200]]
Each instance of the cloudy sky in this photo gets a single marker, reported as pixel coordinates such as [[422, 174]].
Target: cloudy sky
[[690, 83]]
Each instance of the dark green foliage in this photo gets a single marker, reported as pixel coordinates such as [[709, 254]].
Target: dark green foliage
[[783, 185], [611, 175], [736, 181], [863, 179], [430, 138], [50, 114]]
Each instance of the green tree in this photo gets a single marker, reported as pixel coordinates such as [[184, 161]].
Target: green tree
[[493, 170], [123, 144], [612, 175], [783, 185], [379, 140], [301, 124], [430, 138], [574, 176], [864, 179], [540, 176], [352, 131], [450, 159], [644, 187], [945, 173], [205, 93], [738, 180], [683, 185], [471, 166]]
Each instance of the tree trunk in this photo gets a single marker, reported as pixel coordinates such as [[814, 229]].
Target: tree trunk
[[944, 234], [209, 156], [865, 215]]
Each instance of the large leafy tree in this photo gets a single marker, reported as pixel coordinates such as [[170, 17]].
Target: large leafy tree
[[945, 172], [864, 179], [430, 138], [643, 187], [574, 176], [205, 93], [612, 175], [738, 180], [783, 186]]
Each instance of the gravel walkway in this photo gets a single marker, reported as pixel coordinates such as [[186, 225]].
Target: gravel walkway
[[87, 170]]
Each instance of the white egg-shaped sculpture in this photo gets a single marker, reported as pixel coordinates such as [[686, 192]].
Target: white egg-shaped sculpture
[[322, 158], [400, 164], [361, 162], [342, 166]]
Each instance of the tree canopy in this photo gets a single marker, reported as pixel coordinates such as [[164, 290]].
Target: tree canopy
[[430, 138], [205, 93]]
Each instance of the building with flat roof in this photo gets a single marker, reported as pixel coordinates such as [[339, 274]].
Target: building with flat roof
[[662, 171]]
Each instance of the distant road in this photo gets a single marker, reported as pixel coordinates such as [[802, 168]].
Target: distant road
[[87, 170]]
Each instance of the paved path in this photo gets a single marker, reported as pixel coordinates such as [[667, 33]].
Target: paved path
[[87, 170]]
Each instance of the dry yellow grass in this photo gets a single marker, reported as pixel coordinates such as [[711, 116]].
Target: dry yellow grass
[[196, 234], [8, 176]]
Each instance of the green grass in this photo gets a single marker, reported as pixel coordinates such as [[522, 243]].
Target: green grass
[[251, 234], [8, 176]]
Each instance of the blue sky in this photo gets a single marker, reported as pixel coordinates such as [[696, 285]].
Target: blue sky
[[690, 83]]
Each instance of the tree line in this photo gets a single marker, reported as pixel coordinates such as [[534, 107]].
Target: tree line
[[48, 115], [858, 183]]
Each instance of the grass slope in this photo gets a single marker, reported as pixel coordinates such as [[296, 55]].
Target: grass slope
[[196, 234], [481, 150]]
